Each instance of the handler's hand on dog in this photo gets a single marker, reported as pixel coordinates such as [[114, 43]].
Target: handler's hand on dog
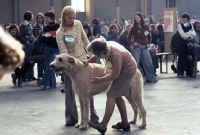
[[95, 80], [85, 62]]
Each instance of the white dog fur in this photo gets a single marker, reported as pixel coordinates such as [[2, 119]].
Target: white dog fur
[[82, 85]]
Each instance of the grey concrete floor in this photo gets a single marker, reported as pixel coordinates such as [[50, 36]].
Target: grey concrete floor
[[172, 106]]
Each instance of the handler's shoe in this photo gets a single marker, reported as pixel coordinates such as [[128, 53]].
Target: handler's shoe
[[121, 126]]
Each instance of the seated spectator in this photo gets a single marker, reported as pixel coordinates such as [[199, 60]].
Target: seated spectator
[[104, 29], [112, 33], [122, 37], [140, 45], [88, 32], [21, 71], [161, 38]]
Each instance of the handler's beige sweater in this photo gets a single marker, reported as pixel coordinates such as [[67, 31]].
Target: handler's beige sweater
[[76, 48]]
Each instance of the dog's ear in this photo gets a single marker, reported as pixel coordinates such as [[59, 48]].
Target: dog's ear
[[71, 61]]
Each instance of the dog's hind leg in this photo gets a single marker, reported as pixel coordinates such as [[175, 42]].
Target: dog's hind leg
[[134, 107], [137, 96], [85, 119]]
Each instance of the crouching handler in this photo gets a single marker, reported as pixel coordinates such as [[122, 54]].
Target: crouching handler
[[123, 68]]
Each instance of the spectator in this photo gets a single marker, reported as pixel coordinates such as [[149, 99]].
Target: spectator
[[161, 20], [11, 53], [50, 50], [112, 33], [151, 20], [116, 22], [154, 34], [26, 37], [193, 19], [22, 70], [185, 30], [124, 23], [37, 29], [140, 45], [71, 38], [104, 29], [88, 32], [197, 30], [161, 40], [96, 28], [122, 37]]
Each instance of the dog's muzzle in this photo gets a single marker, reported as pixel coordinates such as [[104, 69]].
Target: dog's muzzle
[[54, 68], [190, 45]]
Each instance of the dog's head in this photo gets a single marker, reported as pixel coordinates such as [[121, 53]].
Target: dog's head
[[190, 43], [63, 62]]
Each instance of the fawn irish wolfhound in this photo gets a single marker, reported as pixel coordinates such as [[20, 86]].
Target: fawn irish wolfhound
[[82, 85]]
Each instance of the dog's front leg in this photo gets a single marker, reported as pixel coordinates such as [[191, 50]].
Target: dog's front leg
[[195, 68], [85, 119], [78, 125]]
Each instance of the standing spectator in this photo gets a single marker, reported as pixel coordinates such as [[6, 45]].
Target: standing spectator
[[50, 50], [26, 37], [197, 30], [193, 19], [88, 32], [185, 30], [37, 29], [71, 38], [124, 23], [154, 34], [96, 28], [122, 37], [161, 20], [151, 20], [140, 45], [104, 29], [161, 43], [146, 19], [112, 33]]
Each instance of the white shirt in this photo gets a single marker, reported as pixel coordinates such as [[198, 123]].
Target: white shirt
[[186, 35]]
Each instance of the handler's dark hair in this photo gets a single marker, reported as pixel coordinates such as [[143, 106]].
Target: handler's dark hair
[[98, 46], [185, 15]]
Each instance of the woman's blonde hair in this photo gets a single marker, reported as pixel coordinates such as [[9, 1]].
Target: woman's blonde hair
[[67, 10]]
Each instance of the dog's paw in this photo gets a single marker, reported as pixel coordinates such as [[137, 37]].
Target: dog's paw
[[132, 122], [77, 125], [83, 127], [142, 126]]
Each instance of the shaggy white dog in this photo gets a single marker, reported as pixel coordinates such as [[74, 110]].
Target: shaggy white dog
[[82, 85]]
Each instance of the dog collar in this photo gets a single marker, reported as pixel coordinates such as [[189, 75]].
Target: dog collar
[[76, 72]]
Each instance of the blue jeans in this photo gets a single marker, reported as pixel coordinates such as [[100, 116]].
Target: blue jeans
[[49, 78], [27, 50], [141, 54]]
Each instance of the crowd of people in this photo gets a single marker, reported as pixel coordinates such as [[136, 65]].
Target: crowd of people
[[48, 38]]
